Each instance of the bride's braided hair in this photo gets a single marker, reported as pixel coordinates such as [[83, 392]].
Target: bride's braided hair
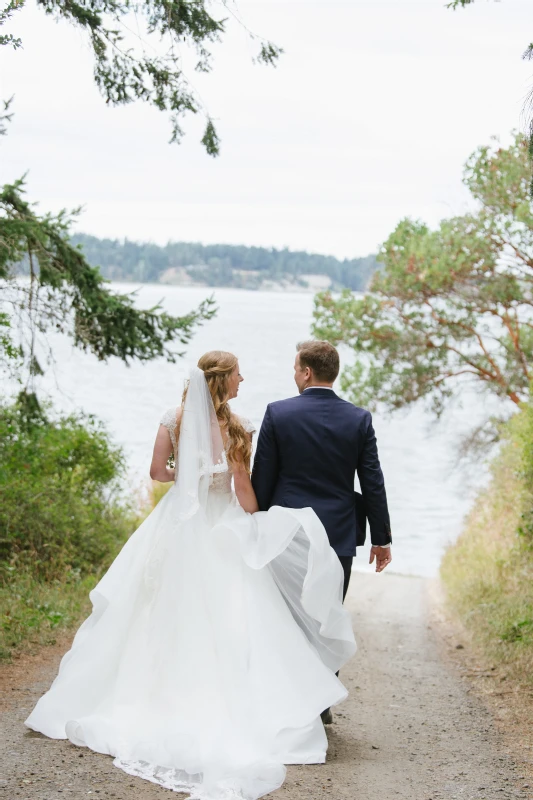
[[217, 365]]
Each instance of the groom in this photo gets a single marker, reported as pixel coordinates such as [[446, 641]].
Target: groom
[[309, 449]]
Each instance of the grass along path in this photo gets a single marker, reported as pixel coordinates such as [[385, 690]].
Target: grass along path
[[488, 572]]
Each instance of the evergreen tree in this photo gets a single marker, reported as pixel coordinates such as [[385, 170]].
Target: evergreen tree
[[125, 69], [64, 293]]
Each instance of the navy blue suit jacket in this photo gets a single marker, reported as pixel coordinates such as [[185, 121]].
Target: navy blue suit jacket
[[308, 452]]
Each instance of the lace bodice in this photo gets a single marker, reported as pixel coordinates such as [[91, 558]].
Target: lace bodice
[[169, 421], [221, 480]]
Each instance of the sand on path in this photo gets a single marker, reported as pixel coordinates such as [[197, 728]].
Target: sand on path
[[410, 729]]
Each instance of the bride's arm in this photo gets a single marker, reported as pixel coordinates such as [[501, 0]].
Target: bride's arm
[[243, 489], [162, 451]]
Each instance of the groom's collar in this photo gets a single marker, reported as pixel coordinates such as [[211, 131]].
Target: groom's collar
[[319, 391]]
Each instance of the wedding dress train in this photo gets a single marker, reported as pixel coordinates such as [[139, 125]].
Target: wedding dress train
[[214, 637]]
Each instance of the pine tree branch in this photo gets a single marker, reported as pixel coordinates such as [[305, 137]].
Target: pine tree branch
[[125, 74]]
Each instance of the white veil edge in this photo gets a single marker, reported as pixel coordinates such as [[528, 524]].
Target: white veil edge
[[201, 451]]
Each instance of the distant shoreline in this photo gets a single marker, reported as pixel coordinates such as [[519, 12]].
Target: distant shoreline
[[276, 289], [226, 266], [267, 290]]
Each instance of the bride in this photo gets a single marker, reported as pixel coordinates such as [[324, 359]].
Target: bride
[[215, 635]]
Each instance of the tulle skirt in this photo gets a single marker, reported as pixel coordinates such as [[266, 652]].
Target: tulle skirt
[[210, 651]]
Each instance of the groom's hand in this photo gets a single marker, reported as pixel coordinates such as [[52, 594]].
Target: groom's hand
[[382, 555]]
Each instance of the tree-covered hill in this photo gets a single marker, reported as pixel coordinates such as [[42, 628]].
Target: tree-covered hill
[[220, 264]]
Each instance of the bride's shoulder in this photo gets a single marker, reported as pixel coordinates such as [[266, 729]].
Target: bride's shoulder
[[171, 417], [247, 424]]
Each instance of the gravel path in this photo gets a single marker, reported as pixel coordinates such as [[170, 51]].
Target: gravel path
[[410, 730]]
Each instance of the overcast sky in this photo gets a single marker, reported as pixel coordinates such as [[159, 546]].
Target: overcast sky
[[368, 118]]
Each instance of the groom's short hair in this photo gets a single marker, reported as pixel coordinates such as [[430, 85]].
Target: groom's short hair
[[321, 357]]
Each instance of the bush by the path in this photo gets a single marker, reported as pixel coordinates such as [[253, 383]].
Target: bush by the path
[[488, 573], [61, 521]]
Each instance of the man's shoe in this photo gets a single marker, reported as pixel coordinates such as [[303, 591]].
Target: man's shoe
[[326, 717]]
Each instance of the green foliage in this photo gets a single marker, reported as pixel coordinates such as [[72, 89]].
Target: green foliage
[[220, 264], [519, 431], [488, 572], [5, 116], [455, 303], [66, 294], [129, 68], [5, 340], [59, 507], [34, 612], [519, 631], [210, 139], [10, 359], [5, 15]]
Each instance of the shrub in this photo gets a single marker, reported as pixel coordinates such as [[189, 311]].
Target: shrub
[[59, 504]]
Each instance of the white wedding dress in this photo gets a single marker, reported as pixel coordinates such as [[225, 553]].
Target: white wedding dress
[[214, 637]]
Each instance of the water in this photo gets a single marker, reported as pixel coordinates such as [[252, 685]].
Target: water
[[428, 493]]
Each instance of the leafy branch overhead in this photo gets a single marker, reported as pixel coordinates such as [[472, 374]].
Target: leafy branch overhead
[[5, 115], [5, 15], [64, 293], [124, 69], [451, 304]]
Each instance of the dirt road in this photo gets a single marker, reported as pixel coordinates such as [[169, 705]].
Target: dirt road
[[410, 730]]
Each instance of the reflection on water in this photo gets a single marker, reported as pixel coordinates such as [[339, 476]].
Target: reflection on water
[[428, 493]]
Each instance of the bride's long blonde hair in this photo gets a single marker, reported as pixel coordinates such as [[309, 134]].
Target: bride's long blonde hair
[[217, 366]]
